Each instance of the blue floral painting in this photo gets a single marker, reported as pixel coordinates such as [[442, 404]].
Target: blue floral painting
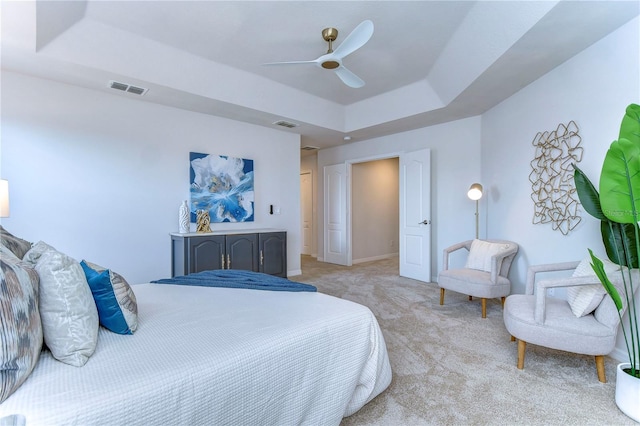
[[223, 186]]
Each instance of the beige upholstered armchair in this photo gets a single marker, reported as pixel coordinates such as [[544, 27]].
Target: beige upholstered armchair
[[586, 323], [485, 272]]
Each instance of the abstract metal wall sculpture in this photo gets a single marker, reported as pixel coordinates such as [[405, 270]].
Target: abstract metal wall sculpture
[[553, 191]]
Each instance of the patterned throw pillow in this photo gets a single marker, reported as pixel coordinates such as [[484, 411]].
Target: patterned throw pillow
[[115, 300], [68, 312], [17, 245], [20, 326], [7, 254]]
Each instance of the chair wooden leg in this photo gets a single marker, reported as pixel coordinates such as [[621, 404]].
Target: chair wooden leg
[[503, 299], [513, 339], [484, 307], [442, 296], [522, 346], [600, 368]]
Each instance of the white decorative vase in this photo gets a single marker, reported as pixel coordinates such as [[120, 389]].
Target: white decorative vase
[[628, 392], [183, 218]]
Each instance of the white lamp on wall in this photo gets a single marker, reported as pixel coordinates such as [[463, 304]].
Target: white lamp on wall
[[4, 198], [475, 193]]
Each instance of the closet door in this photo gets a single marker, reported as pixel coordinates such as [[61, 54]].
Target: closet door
[[336, 232]]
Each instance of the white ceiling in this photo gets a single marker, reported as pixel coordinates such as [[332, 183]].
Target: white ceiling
[[427, 62]]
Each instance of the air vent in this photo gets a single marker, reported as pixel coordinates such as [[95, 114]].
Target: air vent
[[286, 124], [309, 148], [127, 88]]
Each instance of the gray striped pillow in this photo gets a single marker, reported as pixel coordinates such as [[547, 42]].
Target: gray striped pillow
[[20, 326]]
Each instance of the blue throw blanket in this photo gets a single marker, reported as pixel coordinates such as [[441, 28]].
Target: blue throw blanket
[[237, 279]]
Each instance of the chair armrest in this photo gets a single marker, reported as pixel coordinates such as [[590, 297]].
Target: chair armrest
[[496, 261], [548, 267], [451, 249], [541, 292]]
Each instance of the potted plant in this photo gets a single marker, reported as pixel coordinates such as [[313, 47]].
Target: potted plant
[[618, 208]]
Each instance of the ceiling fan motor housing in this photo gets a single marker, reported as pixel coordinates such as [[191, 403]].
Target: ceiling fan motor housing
[[329, 35], [330, 65]]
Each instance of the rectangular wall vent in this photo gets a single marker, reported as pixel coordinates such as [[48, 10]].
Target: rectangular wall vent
[[309, 148], [127, 88], [286, 124]]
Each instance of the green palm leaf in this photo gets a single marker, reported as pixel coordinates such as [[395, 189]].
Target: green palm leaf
[[588, 194], [630, 126], [598, 268], [620, 182], [619, 242]]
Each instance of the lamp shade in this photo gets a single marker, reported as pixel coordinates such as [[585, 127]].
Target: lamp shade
[[4, 198], [475, 192]]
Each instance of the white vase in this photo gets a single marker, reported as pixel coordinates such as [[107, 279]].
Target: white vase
[[628, 392], [183, 218]]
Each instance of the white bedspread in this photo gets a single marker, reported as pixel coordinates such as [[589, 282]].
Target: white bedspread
[[217, 356]]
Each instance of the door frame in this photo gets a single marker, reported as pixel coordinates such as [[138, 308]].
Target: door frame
[[349, 164]]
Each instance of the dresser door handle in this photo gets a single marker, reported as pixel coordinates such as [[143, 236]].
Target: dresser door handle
[[261, 258], [228, 261], [222, 260]]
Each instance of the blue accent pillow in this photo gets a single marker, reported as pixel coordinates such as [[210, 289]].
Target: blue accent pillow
[[115, 300]]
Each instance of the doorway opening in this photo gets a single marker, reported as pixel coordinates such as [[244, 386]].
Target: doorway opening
[[413, 198], [375, 217]]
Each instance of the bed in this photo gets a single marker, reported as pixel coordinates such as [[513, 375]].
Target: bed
[[223, 356]]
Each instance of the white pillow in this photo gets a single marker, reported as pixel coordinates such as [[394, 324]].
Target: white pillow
[[481, 252], [585, 299], [68, 311]]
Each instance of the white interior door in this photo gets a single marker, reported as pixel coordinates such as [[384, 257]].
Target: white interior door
[[335, 214], [306, 211], [415, 215]]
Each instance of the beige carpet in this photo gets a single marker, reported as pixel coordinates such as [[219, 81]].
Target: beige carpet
[[451, 367]]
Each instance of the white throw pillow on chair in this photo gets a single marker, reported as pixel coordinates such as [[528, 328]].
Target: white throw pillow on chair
[[584, 299], [481, 252]]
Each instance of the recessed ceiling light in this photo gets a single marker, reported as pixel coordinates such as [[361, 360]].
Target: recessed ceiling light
[[347, 138]]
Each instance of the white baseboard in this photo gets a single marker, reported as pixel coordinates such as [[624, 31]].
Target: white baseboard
[[294, 272], [371, 259], [619, 355]]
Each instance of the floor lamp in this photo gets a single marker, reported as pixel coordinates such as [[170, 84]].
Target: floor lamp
[[475, 193], [4, 198]]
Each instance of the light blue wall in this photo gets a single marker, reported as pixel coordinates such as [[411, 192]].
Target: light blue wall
[[101, 176], [592, 89]]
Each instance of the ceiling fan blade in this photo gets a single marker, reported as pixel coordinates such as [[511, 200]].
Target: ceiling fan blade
[[315, 61], [354, 41], [349, 78]]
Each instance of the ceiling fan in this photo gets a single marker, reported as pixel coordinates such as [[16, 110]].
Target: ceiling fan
[[332, 60]]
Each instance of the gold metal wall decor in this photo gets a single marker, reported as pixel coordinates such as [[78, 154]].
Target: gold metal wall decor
[[553, 191]]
